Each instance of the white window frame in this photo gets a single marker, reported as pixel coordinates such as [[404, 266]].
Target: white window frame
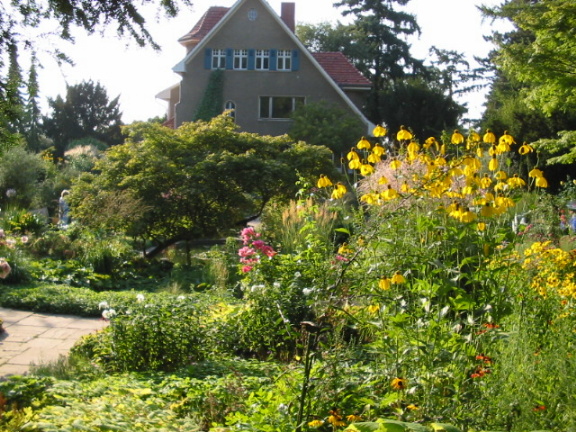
[[218, 59], [262, 60], [266, 106], [240, 59], [284, 60], [230, 105]]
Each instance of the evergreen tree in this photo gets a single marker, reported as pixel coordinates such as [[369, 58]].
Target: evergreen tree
[[387, 54], [85, 113]]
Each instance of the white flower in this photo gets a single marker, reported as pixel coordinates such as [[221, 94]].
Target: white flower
[[181, 297], [140, 298], [103, 305], [307, 291], [108, 313]]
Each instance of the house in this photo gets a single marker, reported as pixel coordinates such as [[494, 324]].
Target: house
[[265, 71]]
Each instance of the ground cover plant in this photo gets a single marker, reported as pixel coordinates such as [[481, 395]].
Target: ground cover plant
[[437, 293]]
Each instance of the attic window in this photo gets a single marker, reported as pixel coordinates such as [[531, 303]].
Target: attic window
[[252, 14]]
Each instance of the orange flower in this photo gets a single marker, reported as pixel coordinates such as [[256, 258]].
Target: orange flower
[[399, 383]]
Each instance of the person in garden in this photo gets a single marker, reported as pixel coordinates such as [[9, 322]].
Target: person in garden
[[63, 209]]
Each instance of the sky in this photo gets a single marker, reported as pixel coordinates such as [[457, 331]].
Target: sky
[[138, 74]]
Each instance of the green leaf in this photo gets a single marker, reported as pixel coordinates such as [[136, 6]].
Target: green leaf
[[441, 427]]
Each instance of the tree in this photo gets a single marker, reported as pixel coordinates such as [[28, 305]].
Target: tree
[[198, 181], [19, 19], [326, 125], [540, 53], [86, 113], [382, 29]]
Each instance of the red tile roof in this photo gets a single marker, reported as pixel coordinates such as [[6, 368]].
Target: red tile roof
[[341, 70], [212, 16]]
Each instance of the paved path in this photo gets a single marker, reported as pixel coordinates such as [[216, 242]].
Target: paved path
[[39, 338]]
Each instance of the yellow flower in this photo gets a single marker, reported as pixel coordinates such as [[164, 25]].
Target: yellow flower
[[354, 164], [366, 169], [379, 131], [485, 182], [541, 182], [315, 423], [372, 310], [506, 139], [395, 164], [431, 142], [398, 278], [399, 383], [339, 191], [382, 180], [467, 216], [493, 164], [457, 137], [481, 226], [363, 144], [385, 283], [501, 175], [516, 182], [324, 181], [373, 158], [487, 210], [353, 418], [390, 194], [352, 155], [412, 407], [474, 137], [378, 150], [525, 149], [403, 134], [370, 198], [413, 147], [489, 137], [535, 173]]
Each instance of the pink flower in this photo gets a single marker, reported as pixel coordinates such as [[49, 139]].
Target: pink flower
[[2, 233], [258, 244], [341, 258], [247, 233], [5, 268], [246, 252], [24, 239], [246, 269], [268, 251]]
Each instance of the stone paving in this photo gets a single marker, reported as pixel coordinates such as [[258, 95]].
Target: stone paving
[[36, 338]]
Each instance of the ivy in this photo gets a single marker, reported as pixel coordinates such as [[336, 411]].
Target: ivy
[[213, 99]]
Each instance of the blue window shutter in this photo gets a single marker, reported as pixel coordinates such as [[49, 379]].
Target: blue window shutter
[[251, 59], [208, 58], [273, 59], [229, 58], [295, 60]]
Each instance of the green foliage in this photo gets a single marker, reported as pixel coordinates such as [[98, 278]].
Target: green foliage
[[539, 52], [559, 151], [325, 125], [85, 113], [212, 101], [197, 181], [22, 172]]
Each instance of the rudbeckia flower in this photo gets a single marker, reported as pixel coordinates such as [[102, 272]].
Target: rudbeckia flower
[[378, 150], [403, 134], [485, 182], [467, 216], [379, 131], [385, 283], [487, 211], [395, 164], [370, 198], [373, 158], [506, 139], [339, 191], [324, 181], [516, 181], [413, 147], [525, 149], [363, 144], [541, 182], [431, 142], [489, 137], [457, 137], [480, 226], [535, 173], [390, 194], [382, 180], [354, 164], [501, 175], [473, 137], [493, 164], [397, 278], [352, 155], [399, 383], [366, 169]]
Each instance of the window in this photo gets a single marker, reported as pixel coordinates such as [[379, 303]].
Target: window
[[262, 59], [240, 59], [279, 107], [218, 59], [284, 60], [231, 107]]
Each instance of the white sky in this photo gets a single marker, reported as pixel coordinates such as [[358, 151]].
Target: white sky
[[138, 74]]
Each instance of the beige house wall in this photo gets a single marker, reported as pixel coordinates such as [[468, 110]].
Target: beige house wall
[[244, 87]]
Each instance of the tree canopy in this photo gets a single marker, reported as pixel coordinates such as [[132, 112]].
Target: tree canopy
[[540, 52], [198, 181], [85, 113]]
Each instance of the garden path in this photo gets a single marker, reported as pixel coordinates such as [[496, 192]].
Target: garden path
[[35, 338]]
